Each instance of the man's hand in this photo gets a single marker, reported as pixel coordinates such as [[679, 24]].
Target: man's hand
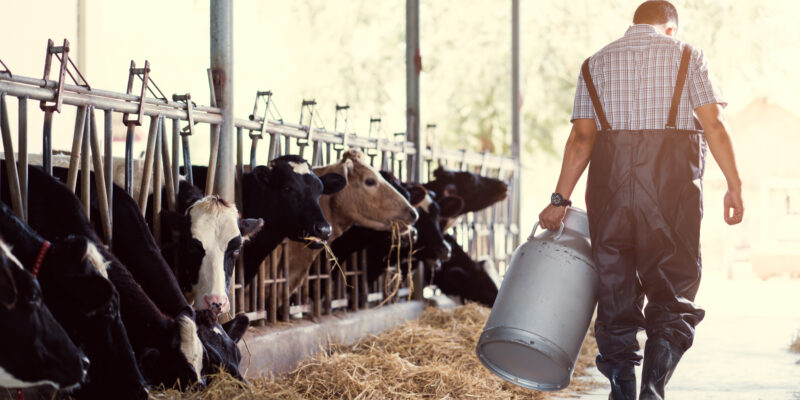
[[551, 217], [733, 206]]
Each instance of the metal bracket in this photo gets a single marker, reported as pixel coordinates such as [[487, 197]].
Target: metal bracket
[[147, 86], [5, 70], [62, 54], [187, 130], [309, 105], [266, 97]]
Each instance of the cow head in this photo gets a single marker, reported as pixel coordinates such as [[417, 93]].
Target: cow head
[[36, 350], [368, 199], [430, 244], [210, 236], [478, 192], [179, 361], [285, 193], [220, 343], [461, 276]]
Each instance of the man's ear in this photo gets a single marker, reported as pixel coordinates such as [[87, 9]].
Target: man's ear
[[8, 289], [450, 206], [332, 183], [175, 221], [417, 195], [236, 327], [249, 227]]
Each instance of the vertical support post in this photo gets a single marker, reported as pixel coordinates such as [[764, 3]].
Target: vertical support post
[[47, 142], [100, 182], [108, 158], [176, 161], [221, 31], [413, 68], [86, 194], [11, 166], [515, 116], [147, 172], [82, 35], [23, 155], [77, 141]]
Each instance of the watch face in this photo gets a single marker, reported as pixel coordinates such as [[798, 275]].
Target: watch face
[[556, 199]]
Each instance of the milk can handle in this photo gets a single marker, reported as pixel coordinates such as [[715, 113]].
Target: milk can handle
[[558, 234]]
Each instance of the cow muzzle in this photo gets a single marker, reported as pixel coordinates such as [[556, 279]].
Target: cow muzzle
[[218, 304]]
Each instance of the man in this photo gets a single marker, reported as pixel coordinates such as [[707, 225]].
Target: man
[[643, 196]]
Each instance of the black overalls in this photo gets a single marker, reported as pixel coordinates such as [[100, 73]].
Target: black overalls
[[644, 201]]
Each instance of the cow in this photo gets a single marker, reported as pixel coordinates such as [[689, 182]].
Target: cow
[[429, 245], [210, 237], [285, 194], [367, 200], [478, 192], [167, 349], [463, 277], [35, 348], [73, 277], [136, 248], [220, 343]]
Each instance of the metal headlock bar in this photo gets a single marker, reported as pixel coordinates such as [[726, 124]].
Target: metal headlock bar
[[187, 131]]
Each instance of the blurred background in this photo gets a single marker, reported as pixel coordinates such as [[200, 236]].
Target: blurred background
[[353, 52]]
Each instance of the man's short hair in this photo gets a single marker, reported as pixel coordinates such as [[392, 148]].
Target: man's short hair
[[656, 12]]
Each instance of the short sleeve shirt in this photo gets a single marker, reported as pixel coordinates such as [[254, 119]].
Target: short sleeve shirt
[[635, 79]]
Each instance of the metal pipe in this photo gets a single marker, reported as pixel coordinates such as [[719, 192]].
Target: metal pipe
[[47, 143], [131, 131], [239, 167], [100, 178], [23, 155], [106, 103], [108, 140], [157, 164], [169, 183], [147, 170], [413, 68], [213, 162], [187, 160], [11, 166], [176, 161], [86, 193], [74, 157], [515, 114], [221, 32]]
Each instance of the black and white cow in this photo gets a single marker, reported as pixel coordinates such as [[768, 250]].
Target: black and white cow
[[285, 194], [468, 279], [73, 277], [34, 349], [220, 343], [478, 192], [210, 236], [167, 348]]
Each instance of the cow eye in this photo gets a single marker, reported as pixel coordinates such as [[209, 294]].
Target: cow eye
[[371, 182], [35, 301]]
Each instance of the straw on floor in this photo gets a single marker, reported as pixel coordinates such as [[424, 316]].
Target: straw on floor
[[429, 358]]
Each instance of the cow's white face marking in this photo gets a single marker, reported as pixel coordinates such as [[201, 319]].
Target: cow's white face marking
[[97, 260], [191, 347], [426, 203], [217, 331], [300, 167], [7, 251], [214, 224], [9, 381]]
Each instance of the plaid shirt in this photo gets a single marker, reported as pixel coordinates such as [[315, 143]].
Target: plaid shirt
[[635, 78]]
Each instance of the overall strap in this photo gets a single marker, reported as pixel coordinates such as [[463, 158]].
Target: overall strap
[[598, 108], [679, 84]]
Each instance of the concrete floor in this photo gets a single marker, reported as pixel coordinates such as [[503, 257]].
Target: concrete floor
[[740, 350]]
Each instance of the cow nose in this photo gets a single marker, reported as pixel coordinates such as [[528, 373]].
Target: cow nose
[[322, 231], [142, 393], [413, 213], [85, 363], [215, 303]]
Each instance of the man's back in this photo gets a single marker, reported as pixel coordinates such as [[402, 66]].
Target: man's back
[[635, 78]]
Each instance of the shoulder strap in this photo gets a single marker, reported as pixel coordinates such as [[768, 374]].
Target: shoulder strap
[[679, 83], [598, 108]]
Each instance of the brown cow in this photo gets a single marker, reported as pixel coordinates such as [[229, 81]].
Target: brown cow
[[367, 200]]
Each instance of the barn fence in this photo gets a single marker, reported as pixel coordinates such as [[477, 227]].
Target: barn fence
[[491, 233]]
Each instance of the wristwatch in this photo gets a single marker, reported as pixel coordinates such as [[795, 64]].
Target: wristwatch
[[558, 200]]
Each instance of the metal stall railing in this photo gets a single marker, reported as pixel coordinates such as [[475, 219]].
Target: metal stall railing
[[160, 165]]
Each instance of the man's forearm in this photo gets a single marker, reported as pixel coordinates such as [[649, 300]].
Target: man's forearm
[[719, 142], [577, 154]]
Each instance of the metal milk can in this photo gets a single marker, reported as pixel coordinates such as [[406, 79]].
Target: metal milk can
[[543, 310]]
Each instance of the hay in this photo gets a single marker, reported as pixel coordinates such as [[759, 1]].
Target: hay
[[429, 358]]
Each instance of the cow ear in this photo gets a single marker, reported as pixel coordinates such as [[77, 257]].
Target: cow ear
[[262, 174], [417, 195], [249, 227], [188, 194], [332, 183], [450, 206], [8, 290], [175, 221], [236, 327]]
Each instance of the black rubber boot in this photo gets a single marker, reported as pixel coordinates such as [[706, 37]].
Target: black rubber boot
[[623, 383], [660, 360]]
